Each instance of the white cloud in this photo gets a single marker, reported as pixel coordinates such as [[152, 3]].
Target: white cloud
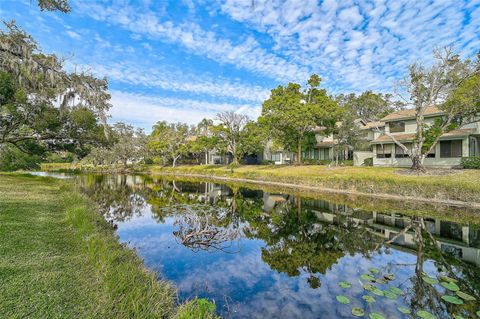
[[144, 110], [179, 82], [247, 54], [73, 35], [363, 44]]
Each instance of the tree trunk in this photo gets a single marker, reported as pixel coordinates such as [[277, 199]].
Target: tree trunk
[[299, 154], [417, 163], [174, 161], [206, 157]]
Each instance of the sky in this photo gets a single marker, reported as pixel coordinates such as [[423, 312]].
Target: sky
[[183, 60]]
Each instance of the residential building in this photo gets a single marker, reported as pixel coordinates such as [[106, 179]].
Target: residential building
[[452, 146]]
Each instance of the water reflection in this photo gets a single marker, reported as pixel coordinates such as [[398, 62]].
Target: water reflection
[[260, 254]]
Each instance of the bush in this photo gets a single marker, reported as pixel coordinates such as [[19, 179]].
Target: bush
[[12, 159], [472, 162], [308, 161], [267, 162], [368, 161]]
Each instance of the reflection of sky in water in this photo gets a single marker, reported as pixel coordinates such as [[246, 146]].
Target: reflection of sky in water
[[249, 288]]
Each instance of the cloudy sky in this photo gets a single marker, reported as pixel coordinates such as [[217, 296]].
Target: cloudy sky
[[183, 60]]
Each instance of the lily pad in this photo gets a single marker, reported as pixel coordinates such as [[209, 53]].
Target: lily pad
[[404, 310], [389, 277], [368, 287], [448, 279], [358, 312], [343, 299], [455, 316], [465, 296], [368, 298], [453, 299], [430, 280], [345, 284], [380, 281], [425, 315], [367, 277], [478, 313], [374, 270], [390, 295], [450, 286], [377, 292], [396, 291], [376, 315]]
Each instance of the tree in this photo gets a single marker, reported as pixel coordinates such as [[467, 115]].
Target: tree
[[346, 134], [252, 138], [205, 140], [31, 83], [230, 130], [292, 113], [127, 145], [450, 84], [54, 5], [169, 141], [370, 106]]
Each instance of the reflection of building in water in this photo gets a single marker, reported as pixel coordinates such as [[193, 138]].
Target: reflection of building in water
[[462, 241]]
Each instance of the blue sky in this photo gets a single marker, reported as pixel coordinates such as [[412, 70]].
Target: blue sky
[[184, 60]]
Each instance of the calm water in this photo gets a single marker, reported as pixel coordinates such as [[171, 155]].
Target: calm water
[[259, 254]]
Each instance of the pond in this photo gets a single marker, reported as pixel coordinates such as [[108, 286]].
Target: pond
[[270, 254]]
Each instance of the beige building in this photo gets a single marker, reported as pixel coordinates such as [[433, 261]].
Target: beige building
[[452, 146]]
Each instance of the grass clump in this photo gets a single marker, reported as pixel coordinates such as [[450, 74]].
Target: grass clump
[[60, 259]]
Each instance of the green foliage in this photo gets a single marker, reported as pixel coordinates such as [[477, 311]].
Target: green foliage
[[472, 162], [368, 161], [54, 5], [12, 159], [31, 83], [198, 308], [291, 113], [369, 106], [169, 141]]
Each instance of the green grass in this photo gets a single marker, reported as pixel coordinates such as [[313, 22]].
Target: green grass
[[59, 259], [459, 186]]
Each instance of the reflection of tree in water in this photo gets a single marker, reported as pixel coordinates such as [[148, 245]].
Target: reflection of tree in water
[[203, 228], [212, 217], [118, 200], [297, 241], [424, 296]]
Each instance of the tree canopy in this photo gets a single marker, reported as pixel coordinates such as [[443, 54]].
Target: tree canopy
[[44, 107], [292, 113]]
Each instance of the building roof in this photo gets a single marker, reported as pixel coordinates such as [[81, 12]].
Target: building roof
[[410, 113], [409, 137], [374, 124], [325, 144]]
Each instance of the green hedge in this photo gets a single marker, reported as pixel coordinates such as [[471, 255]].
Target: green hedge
[[471, 162]]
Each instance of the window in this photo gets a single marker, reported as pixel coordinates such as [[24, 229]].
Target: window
[[397, 127], [400, 153], [474, 146], [450, 149], [323, 154], [384, 151], [275, 157]]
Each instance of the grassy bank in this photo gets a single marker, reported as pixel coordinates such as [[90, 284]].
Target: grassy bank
[[60, 259], [458, 186]]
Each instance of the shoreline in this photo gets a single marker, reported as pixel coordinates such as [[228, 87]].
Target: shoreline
[[318, 189]]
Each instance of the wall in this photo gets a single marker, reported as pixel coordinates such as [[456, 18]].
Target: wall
[[432, 162]]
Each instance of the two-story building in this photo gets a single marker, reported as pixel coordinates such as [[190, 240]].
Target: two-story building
[[452, 146]]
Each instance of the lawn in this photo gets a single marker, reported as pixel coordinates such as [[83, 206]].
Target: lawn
[[460, 185], [59, 259]]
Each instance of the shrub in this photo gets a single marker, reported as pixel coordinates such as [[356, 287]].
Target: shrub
[[267, 162], [308, 161], [12, 159], [368, 161], [472, 162]]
